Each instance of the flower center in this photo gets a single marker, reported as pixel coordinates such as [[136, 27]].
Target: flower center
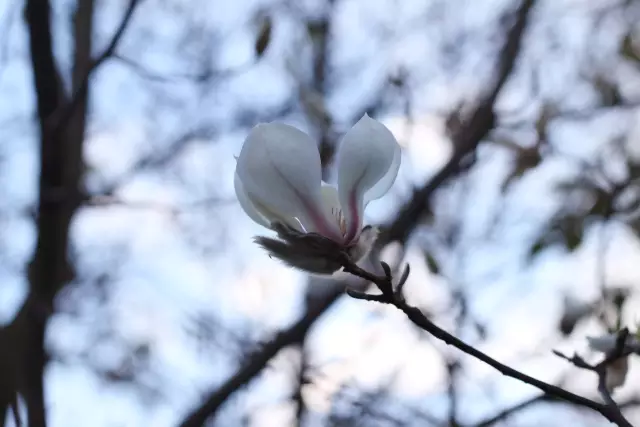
[[342, 222]]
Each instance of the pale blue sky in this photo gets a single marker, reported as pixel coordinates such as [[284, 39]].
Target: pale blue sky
[[167, 266]]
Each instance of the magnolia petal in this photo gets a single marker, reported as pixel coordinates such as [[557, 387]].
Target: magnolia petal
[[279, 167], [385, 183], [368, 162], [333, 211], [247, 205], [330, 196], [260, 213]]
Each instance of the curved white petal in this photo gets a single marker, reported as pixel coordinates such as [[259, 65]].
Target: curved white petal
[[279, 167], [332, 209], [368, 162], [385, 183], [247, 205], [330, 199], [260, 213]]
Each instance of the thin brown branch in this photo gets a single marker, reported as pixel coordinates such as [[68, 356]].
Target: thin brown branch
[[147, 74], [390, 296], [467, 138], [169, 208], [61, 116], [540, 398], [256, 362], [620, 351], [506, 413], [128, 14], [300, 382]]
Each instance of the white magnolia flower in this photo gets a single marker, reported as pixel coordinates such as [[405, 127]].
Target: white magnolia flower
[[278, 182]]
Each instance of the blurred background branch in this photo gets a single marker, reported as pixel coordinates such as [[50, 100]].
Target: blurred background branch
[[132, 293]]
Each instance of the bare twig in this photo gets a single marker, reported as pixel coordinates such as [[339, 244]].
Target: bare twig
[[301, 380], [540, 398], [157, 77], [170, 208], [257, 361], [467, 138], [620, 351], [390, 296], [61, 116]]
